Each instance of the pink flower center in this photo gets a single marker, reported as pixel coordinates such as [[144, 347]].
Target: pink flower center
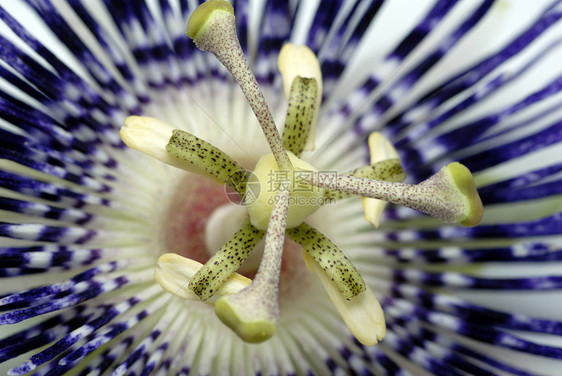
[[194, 200]]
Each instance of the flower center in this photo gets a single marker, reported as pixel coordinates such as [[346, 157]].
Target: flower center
[[293, 191], [194, 199], [200, 218]]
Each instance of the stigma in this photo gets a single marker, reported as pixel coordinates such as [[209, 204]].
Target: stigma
[[288, 191]]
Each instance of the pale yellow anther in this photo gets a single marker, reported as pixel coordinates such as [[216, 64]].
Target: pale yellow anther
[[150, 136], [381, 150], [174, 273], [300, 61], [362, 315]]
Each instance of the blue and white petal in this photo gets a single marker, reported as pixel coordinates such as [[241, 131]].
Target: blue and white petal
[[83, 218]]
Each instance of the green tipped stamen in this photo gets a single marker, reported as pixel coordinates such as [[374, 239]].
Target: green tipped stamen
[[450, 195], [214, 30]]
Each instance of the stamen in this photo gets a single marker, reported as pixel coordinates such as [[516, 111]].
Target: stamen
[[209, 158], [362, 314], [253, 312], [381, 149], [300, 113], [181, 149], [449, 195], [330, 258], [150, 136], [209, 279], [300, 61], [174, 272], [212, 27]]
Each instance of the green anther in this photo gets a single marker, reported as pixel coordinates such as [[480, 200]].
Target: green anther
[[388, 170], [209, 279], [200, 16], [212, 160], [330, 258], [300, 113]]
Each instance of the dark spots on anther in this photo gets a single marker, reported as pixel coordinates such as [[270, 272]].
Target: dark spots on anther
[[226, 261], [330, 258]]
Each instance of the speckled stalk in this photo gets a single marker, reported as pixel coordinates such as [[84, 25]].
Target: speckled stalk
[[253, 312], [389, 170], [449, 195], [213, 29], [216, 271], [330, 258]]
